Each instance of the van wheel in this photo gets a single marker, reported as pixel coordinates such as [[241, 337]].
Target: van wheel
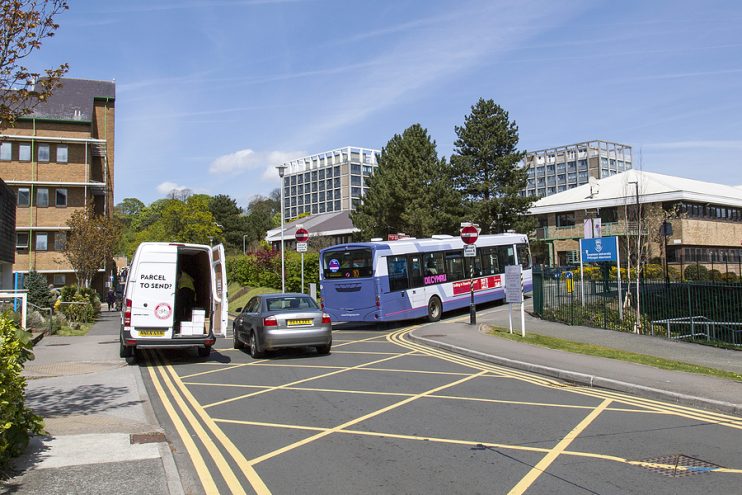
[[132, 358], [124, 351], [203, 351], [435, 309], [255, 350]]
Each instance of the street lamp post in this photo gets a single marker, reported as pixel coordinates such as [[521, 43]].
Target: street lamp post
[[244, 245], [638, 324], [281, 171]]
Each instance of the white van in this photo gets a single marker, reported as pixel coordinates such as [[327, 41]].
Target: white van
[[154, 315]]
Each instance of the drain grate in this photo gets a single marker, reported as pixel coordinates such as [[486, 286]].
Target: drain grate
[[677, 465]]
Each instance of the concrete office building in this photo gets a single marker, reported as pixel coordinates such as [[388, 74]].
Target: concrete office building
[[7, 236], [554, 170], [56, 160], [327, 182]]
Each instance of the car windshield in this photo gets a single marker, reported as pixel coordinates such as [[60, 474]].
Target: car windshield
[[290, 303]]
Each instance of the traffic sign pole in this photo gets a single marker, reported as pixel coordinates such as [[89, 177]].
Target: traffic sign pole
[[469, 235], [302, 236]]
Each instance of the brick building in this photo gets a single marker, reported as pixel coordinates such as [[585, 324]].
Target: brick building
[[56, 160], [7, 236], [706, 229]]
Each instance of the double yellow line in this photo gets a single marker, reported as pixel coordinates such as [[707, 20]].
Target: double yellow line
[[185, 410]]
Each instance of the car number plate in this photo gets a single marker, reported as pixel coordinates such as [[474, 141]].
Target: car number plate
[[294, 323], [151, 333]]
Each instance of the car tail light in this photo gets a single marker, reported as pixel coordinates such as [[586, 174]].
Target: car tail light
[[326, 320], [270, 321], [127, 313]]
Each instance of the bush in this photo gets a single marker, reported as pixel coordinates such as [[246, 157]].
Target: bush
[[715, 275], [38, 289], [730, 277], [696, 272], [85, 304], [18, 421]]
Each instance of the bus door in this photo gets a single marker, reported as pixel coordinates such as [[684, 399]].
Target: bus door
[[418, 293], [397, 304]]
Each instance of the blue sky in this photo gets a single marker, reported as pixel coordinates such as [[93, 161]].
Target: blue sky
[[211, 95]]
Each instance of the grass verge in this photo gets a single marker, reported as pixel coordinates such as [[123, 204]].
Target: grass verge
[[241, 300], [607, 352]]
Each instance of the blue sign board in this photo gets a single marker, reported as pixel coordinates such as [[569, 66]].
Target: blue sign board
[[599, 249]]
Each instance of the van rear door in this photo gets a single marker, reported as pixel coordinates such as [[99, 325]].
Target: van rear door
[[153, 291], [219, 291]]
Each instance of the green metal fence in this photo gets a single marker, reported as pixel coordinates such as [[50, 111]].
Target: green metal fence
[[693, 311]]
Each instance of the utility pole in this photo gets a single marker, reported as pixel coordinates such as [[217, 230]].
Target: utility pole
[[637, 324]]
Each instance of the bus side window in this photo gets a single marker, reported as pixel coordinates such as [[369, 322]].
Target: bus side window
[[455, 266], [397, 266], [490, 266], [414, 262], [505, 256]]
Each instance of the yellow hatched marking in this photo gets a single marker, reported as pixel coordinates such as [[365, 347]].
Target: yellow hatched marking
[[198, 461], [250, 474], [656, 406], [229, 477], [549, 458], [364, 352], [352, 422], [222, 368], [279, 387], [369, 339]]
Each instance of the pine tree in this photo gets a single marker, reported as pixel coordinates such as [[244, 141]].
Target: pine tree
[[486, 172], [410, 191], [38, 289]]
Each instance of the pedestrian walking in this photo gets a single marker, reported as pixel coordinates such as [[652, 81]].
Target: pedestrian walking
[[111, 299]]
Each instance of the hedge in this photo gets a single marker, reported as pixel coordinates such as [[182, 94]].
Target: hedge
[[17, 422]]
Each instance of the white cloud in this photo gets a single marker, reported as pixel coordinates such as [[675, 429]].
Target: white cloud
[[247, 159], [168, 187]]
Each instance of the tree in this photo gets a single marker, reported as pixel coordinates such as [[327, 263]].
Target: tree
[[128, 209], [227, 214], [486, 172], [38, 289], [91, 243], [25, 24], [260, 216], [410, 191]]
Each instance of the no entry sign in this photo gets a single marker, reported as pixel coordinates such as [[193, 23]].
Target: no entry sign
[[301, 235], [469, 234]]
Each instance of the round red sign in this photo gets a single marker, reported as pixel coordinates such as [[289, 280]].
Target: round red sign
[[302, 235], [469, 234]]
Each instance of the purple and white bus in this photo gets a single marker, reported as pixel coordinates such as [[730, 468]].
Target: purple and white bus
[[414, 278]]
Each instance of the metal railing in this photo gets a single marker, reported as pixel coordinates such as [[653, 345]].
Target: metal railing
[[697, 311]]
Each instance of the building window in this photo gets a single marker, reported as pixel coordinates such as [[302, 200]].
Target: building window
[[42, 239], [61, 198], [6, 151], [60, 279], [42, 197], [62, 153], [60, 241], [24, 197], [43, 152], [565, 219], [24, 152], [21, 240]]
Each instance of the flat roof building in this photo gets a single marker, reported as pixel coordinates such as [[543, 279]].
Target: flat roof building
[[327, 182], [554, 170]]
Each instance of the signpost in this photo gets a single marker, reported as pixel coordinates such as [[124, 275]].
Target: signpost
[[514, 294], [302, 236], [600, 250], [469, 235]]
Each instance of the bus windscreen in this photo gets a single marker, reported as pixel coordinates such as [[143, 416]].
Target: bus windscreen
[[347, 263]]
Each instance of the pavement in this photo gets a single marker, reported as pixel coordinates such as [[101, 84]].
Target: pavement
[[103, 433]]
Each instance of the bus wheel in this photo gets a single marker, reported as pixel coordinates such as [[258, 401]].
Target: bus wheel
[[435, 309]]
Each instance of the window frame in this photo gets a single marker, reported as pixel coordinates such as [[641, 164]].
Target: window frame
[[27, 203], [39, 148], [39, 203], [37, 241], [28, 240], [6, 145], [60, 240], [66, 197], [21, 147], [66, 149]]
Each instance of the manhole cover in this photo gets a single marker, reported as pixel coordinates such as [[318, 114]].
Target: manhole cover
[[678, 465]]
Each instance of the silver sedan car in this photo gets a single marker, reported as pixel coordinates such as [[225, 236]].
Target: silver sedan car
[[279, 321]]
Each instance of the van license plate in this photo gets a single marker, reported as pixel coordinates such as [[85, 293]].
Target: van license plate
[[151, 333], [293, 323]]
